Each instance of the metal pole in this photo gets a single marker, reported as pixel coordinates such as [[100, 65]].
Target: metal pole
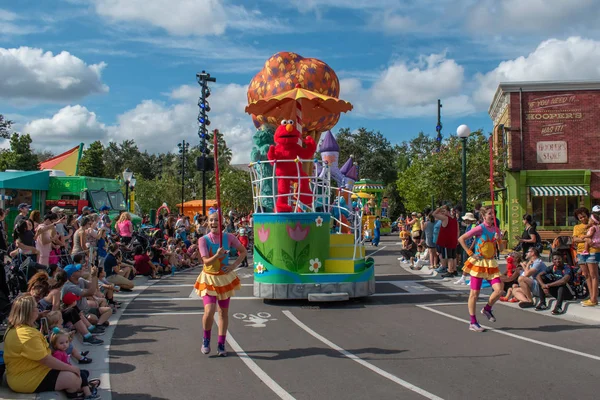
[[127, 196], [182, 174], [438, 127], [464, 174], [203, 183]]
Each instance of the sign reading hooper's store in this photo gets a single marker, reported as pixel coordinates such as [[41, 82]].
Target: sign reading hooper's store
[[549, 135]]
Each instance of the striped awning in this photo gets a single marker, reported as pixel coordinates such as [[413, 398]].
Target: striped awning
[[369, 187], [558, 191]]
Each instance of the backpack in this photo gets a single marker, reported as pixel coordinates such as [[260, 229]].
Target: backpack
[[15, 279]]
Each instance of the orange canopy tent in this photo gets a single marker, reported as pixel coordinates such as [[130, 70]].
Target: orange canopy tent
[[195, 206]]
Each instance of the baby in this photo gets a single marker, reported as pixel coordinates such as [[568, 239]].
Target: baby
[[592, 238]]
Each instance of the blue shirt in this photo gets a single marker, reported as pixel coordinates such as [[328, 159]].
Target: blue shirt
[[436, 230], [101, 248]]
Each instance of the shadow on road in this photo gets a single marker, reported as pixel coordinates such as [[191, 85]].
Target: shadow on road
[[275, 355], [135, 396], [552, 328]]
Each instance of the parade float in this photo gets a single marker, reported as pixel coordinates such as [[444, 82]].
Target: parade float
[[308, 242], [374, 205]]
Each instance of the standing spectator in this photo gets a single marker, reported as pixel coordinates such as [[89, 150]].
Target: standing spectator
[[24, 240], [557, 282], [23, 213], [429, 225], [80, 237], [447, 240], [44, 234], [106, 222], [30, 368], [35, 219], [125, 227], [587, 263], [529, 238]]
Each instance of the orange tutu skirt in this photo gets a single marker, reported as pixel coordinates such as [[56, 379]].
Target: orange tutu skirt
[[484, 268], [222, 286]]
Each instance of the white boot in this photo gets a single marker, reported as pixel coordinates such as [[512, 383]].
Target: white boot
[[461, 281]]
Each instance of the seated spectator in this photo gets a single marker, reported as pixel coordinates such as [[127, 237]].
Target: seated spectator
[[142, 263], [528, 285], [96, 315], [409, 249], [116, 274], [557, 282], [30, 368], [55, 320], [514, 269]]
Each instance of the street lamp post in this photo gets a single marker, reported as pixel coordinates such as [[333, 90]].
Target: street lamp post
[[127, 175], [183, 150], [132, 182], [463, 132]]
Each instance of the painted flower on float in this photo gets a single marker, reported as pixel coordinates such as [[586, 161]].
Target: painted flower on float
[[298, 234], [315, 264], [319, 221], [263, 233], [260, 268]]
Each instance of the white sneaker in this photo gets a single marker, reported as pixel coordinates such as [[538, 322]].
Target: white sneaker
[[461, 281]]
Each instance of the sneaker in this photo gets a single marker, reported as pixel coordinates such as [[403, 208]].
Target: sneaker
[[541, 307], [526, 304], [589, 303], [460, 281], [513, 300], [92, 340], [205, 346], [97, 332], [221, 350], [488, 314], [84, 353], [503, 299], [85, 360], [441, 270], [476, 327], [93, 396], [557, 311], [450, 274]]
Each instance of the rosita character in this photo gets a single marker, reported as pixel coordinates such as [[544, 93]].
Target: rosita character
[[217, 281], [288, 146]]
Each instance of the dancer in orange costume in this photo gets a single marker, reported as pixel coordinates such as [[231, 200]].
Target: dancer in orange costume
[[288, 146]]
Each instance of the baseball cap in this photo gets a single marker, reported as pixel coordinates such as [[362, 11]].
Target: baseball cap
[[594, 209], [104, 208], [71, 268], [57, 209], [24, 205], [70, 298]]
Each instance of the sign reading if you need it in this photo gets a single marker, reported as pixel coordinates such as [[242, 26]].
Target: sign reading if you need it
[[552, 152]]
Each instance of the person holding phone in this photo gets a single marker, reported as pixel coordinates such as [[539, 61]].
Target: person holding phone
[[217, 281], [44, 235]]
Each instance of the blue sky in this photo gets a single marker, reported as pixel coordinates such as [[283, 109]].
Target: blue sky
[[84, 70]]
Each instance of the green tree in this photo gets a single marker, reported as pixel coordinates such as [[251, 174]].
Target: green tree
[[5, 127], [438, 174], [20, 156], [43, 155], [372, 151], [92, 160], [236, 190], [151, 194]]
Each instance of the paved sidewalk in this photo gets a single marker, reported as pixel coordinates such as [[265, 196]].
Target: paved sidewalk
[[99, 368], [574, 311]]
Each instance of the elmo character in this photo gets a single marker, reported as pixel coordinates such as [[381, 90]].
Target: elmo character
[[288, 146]]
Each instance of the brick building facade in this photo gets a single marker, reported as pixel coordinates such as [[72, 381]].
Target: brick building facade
[[549, 135]]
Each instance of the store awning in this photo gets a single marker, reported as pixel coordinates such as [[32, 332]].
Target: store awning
[[558, 191]]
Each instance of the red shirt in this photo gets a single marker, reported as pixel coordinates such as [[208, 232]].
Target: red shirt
[[448, 236], [142, 264]]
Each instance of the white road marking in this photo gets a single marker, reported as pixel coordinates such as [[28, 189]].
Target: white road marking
[[258, 371], [526, 339], [165, 313], [192, 298], [415, 294], [362, 362], [368, 255], [258, 320], [175, 285]]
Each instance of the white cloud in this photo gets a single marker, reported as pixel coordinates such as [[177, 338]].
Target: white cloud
[[158, 126], [189, 17], [155, 126], [31, 74], [69, 126], [410, 90], [575, 58], [534, 16]]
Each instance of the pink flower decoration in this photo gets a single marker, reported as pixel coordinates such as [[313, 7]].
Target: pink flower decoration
[[263, 234], [298, 234]]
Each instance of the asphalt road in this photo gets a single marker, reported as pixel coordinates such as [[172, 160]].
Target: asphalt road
[[410, 341]]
